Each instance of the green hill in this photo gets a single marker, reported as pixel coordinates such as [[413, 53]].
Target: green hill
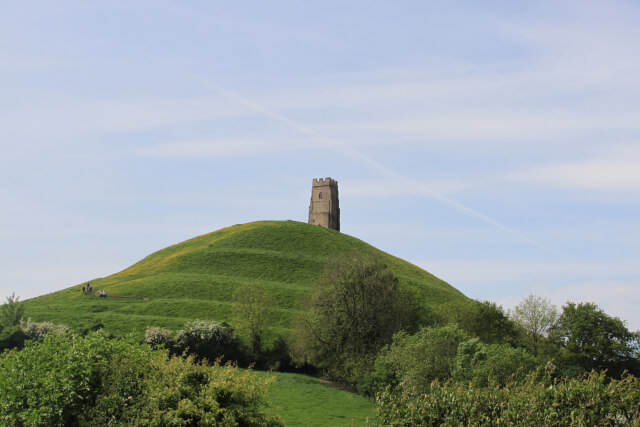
[[195, 279]]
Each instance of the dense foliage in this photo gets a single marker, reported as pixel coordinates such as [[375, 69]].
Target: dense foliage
[[485, 320], [442, 353], [352, 313], [65, 379], [207, 340], [588, 339], [11, 334], [37, 330], [498, 363], [541, 400], [416, 359]]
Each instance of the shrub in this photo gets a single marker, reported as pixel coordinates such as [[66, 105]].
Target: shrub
[[12, 337], [416, 359], [91, 380], [482, 319], [207, 340], [500, 363], [540, 400], [156, 337], [37, 330]]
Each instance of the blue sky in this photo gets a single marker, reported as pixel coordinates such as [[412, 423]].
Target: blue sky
[[495, 144]]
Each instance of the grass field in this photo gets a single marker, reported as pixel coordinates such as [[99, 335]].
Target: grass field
[[305, 401], [195, 279]]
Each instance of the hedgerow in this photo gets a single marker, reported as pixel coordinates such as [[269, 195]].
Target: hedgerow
[[67, 380], [594, 399]]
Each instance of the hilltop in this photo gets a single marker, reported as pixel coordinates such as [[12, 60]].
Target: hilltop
[[195, 279]]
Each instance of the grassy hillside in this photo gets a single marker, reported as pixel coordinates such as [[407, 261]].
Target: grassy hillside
[[302, 400], [195, 279]]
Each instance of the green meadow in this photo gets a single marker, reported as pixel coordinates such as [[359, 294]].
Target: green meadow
[[302, 400]]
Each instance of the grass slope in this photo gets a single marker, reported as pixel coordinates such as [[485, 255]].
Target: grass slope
[[195, 279], [302, 400]]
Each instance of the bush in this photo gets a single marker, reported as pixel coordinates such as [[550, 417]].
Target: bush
[[158, 337], [540, 400], [37, 330], [416, 359], [12, 337], [207, 340], [482, 319], [482, 363], [71, 380]]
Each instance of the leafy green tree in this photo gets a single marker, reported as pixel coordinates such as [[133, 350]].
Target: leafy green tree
[[417, 359], [11, 335], [482, 363], [11, 312], [351, 314], [536, 315], [590, 339], [252, 312], [483, 319]]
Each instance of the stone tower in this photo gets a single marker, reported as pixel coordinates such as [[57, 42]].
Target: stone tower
[[324, 209]]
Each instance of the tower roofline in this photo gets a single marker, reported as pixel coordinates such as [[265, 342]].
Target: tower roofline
[[324, 181]]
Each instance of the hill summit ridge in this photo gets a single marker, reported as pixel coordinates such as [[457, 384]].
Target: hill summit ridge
[[195, 279]]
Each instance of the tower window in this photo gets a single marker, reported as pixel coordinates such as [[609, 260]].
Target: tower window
[[319, 196]]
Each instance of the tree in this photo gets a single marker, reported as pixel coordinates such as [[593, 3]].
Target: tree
[[353, 311], [483, 319], [536, 315], [591, 339], [11, 312], [482, 363], [420, 358], [252, 311]]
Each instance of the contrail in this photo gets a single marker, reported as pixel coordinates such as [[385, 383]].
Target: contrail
[[368, 160]]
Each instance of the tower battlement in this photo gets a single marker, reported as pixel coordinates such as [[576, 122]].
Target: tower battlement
[[324, 209], [324, 181]]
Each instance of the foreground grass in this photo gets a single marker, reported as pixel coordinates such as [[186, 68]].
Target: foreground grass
[[301, 400], [195, 279]]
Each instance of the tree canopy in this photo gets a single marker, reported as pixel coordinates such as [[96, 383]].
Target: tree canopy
[[536, 315], [352, 313], [591, 339]]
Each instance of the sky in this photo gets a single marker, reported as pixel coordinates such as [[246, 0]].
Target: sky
[[495, 144]]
